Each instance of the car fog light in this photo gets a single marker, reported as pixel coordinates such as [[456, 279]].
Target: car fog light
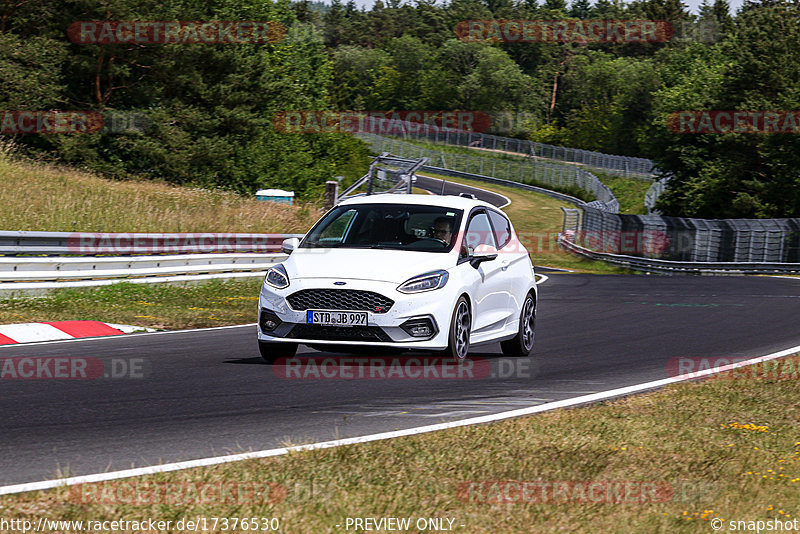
[[420, 331], [422, 327], [269, 321]]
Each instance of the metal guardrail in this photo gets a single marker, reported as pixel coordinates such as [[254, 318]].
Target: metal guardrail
[[22, 275], [54, 269], [523, 171], [35, 262], [684, 267], [90, 243], [700, 240], [628, 166]]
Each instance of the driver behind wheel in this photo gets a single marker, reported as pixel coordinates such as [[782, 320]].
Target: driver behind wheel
[[443, 229]]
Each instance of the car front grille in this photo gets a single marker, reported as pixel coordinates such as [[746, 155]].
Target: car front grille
[[339, 299], [338, 333]]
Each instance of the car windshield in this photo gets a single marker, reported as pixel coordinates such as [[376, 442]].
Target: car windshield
[[386, 226]]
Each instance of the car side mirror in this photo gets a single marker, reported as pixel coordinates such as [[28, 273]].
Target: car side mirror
[[289, 245], [481, 254]]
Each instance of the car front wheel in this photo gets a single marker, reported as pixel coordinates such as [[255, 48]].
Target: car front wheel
[[522, 344], [272, 351], [460, 327]]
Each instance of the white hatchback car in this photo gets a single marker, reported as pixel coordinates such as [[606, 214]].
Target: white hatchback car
[[416, 272]]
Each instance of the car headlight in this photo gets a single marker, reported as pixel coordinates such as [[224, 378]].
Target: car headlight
[[424, 282], [277, 277]]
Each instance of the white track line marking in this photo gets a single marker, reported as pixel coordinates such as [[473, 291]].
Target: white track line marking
[[556, 269], [129, 329], [542, 279], [566, 403]]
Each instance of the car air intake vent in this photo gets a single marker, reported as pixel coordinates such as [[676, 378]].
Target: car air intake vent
[[339, 299], [338, 333]]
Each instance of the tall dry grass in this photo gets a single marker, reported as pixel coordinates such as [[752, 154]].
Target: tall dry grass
[[36, 196]]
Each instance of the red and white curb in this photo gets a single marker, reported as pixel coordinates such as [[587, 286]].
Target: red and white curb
[[11, 334]]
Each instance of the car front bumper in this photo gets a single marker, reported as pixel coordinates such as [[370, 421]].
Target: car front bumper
[[382, 329]]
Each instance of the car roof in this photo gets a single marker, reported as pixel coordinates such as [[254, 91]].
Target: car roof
[[445, 201]]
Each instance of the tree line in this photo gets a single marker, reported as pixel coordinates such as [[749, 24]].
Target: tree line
[[210, 106]]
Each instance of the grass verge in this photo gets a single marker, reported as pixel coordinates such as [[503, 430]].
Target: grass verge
[[722, 449], [49, 198], [629, 192]]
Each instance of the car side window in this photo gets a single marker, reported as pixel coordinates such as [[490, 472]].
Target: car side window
[[479, 232], [335, 232], [502, 228]]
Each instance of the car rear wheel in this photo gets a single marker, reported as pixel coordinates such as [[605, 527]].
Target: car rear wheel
[[521, 345], [272, 351], [460, 327]]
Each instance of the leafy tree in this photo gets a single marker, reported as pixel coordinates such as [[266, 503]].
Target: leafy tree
[[733, 174], [355, 71], [605, 99], [30, 68]]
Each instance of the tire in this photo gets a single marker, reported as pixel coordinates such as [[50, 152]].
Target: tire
[[272, 351], [521, 345], [460, 326]]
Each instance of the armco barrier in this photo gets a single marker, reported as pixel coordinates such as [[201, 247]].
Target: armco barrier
[[90, 243], [678, 267], [36, 262], [704, 240], [25, 275], [541, 153], [520, 172], [640, 168]]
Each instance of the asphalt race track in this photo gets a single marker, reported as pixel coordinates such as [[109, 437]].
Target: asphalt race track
[[195, 394], [206, 393], [435, 185]]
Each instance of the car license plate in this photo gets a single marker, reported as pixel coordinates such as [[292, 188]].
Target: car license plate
[[336, 318]]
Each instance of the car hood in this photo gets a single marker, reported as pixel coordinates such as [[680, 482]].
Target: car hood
[[394, 266]]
